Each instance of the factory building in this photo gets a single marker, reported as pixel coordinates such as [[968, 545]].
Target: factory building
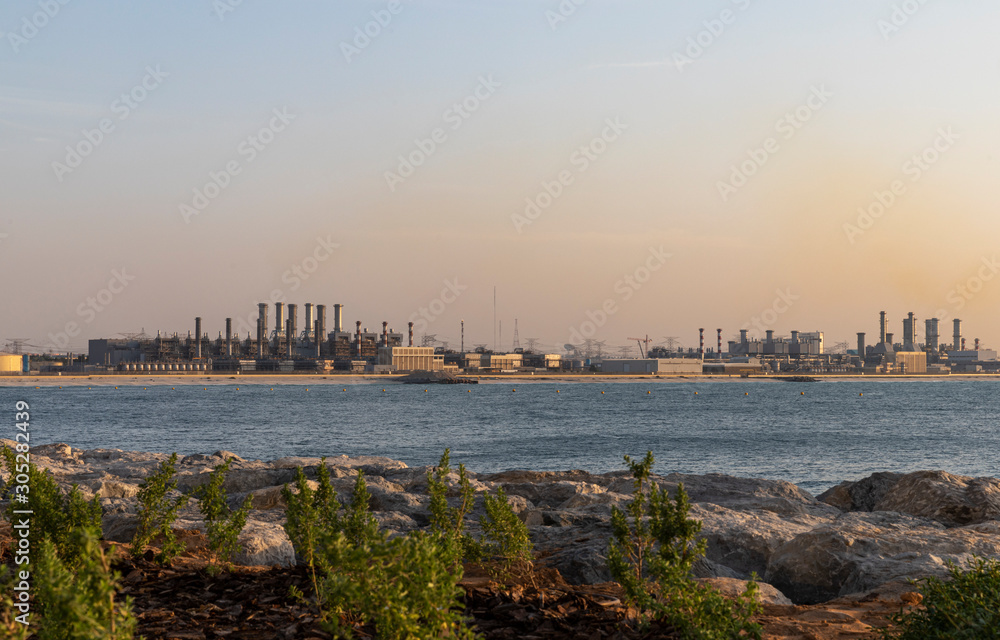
[[801, 343], [13, 364], [410, 359], [666, 366]]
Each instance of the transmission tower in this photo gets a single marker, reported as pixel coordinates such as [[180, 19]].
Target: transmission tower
[[531, 344], [14, 345], [428, 340], [517, 341], [624, 352]]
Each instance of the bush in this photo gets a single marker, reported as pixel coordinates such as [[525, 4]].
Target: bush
[[505, 538], [157, 513], [655, 539], [447, 522], [78, 602], [10, 627], [56, 515], [222, 523], [966, 607]]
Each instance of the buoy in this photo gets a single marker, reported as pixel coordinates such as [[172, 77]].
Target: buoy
[[237, 388], [173, 389], [557, 390], [470, 390], [425, 390], [861, 394], [602, 393], [802, 393], [648, 392], [747, 393], [345, 389], [383, 389], [115, 387], [695, 393]]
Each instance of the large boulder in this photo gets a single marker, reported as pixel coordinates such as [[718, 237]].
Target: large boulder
[[859, 551], [862, 495], [949, 499]]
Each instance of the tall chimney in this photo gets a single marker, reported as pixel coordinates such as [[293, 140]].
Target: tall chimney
[[309, 318], [410, 324], [289, 332], [279, 317], [888, 339], [963, 344], [977, 344], [957, 344], [463, 335], [293, 316], [931, 329], [317, 333], [861, 345], [262, 315], [197, 338], [743, 336], [701, 343], [260, 339], [385, 334], [359, 337], [770, 336], [321, 333], [881, 331], [229, 337], [719, 332], [338, 317]]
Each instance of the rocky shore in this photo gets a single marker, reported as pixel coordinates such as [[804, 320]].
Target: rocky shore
[[857, 537]]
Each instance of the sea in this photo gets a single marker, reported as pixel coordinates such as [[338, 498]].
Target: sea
[[812, 434]]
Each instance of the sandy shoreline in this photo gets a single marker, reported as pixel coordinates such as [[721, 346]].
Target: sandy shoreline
[[271, 379]]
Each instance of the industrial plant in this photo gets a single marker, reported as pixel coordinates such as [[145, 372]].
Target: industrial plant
[[316, 347]]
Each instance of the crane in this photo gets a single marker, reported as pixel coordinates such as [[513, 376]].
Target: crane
[[642, 341]]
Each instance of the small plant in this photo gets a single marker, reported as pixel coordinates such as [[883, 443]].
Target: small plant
[[652, 551], [505, 537], [157, 513], [967, 606], [359, 525], [55, 515], [14, 625], [449, 522], [78, 602], [222, 523]]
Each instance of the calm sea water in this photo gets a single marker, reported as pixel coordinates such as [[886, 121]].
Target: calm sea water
[[814, 440]]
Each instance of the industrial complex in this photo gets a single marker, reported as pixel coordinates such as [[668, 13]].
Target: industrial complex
[[316, 347]]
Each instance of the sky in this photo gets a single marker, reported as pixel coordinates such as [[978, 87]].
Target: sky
[[610, 168]]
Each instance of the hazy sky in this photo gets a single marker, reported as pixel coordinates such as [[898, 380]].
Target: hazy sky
[[690, 164]]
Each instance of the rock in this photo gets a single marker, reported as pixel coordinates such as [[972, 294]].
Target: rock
[[859, 551], [777, 496], [949, 499], [265, 544], [56, 451], [110, 489], [551, 495], [862, 495], [732, 588]]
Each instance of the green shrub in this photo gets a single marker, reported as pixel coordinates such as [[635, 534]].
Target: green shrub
[[359, 525], [966, 607], [222, 523], [157, 513], [505, 538], [55, 515], [448, 522], [78, 602], [651, 553], [11, 628]]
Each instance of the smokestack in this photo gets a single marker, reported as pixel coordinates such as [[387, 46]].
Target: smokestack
[[770, 336], [701, 343], [359, 338], [293, 317], [279, 317], [319, 345], [795, 336], [229, 337], [956, 345], [977, 344], [743, 336], [289, 332], [321, 332], [410, 325], [719, 332], [197, 338], [385, 334], [963, 344], [861, 345], [463, 336], [260, 339], [338, 317], [931, 329], [309, 318], [881, 331], [262, 315], [888, 339], [909, 333]]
